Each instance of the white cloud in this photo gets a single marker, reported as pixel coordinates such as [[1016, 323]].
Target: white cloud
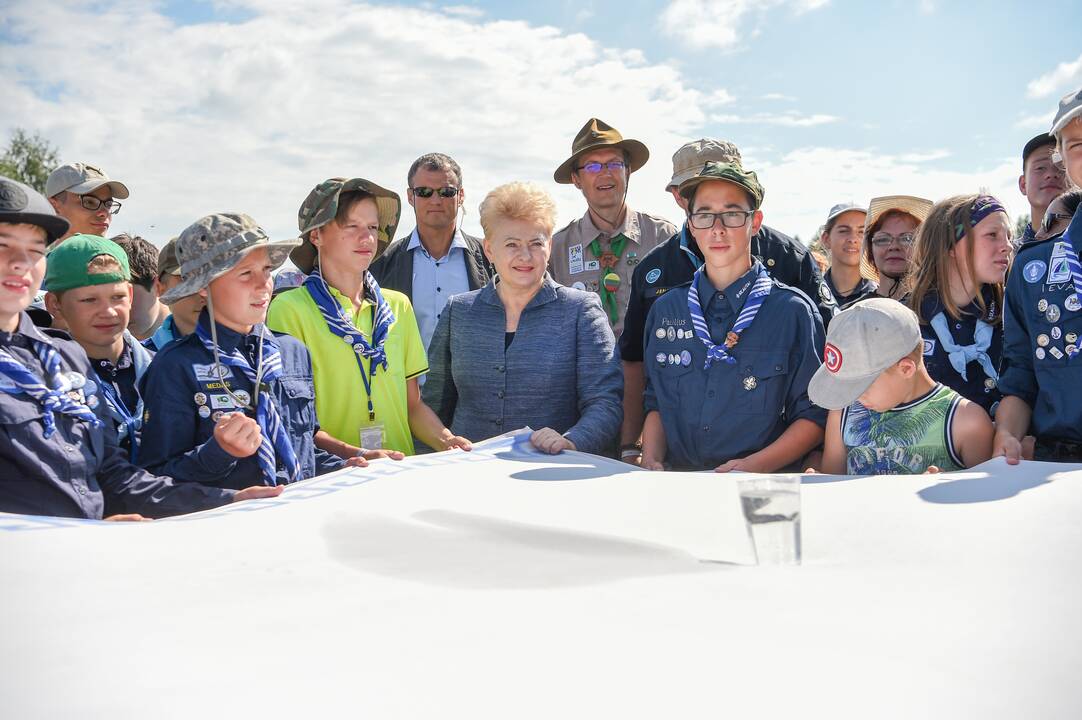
[[777, 96], [721, 23], [791, 118], [1041, 121], [1065, 77], [927, 7], [469, 11]]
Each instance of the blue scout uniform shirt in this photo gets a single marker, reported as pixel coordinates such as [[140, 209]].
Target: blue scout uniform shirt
[[184, 398], [731, 410], [1042, 317], [78, 471], [122, 379], [977, 386], [865, 289]]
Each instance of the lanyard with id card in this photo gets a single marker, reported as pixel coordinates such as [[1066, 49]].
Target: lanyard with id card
[[371, 436]]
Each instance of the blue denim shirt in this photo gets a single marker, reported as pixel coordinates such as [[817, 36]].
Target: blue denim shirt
[[1035, 365], [731, 410], [78, 471], [178, 437]]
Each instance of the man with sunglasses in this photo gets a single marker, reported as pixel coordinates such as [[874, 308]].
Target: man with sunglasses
[[86, 197], [599, 251], [437, 260]]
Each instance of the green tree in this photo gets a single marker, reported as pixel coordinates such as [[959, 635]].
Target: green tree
[[29, 159], [1020, 226]]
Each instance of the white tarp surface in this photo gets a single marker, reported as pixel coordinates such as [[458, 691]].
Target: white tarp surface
[[504, 583]]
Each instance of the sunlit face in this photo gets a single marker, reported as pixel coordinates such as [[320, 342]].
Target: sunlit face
[[242, 295], [724, 246], [435, 212], [186, 310], [95, 315], [892, 259], [891, 387], [519, 249], [846, 239], [1070, 144], [991, 240], [1042, 181], [604, 191], [22, 266], [144, 308], [351, 245], [91, 222]]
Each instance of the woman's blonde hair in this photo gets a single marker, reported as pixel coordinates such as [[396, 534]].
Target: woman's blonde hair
[[932, 259], [518, 201]]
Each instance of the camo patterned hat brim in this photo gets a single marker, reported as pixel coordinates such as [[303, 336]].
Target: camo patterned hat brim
[[213, 245], [321, 205]]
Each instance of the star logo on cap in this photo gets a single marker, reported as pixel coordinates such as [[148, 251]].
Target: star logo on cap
[[832, 358]]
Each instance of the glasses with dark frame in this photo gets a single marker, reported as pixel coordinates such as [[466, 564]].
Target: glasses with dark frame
[[729, 219], [443, 192], [92, 204]]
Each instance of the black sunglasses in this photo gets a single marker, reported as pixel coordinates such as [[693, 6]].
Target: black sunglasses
[[426, 192]]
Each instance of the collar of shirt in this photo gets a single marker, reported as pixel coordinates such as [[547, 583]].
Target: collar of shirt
[[690, 247], [106, 368], [932, 305], [629, 229], [229, 340], [457, 241], [728, 300], [25, 332], [864, 286]]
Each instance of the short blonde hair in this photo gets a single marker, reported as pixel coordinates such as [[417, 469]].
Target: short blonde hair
[[518, 201], [102, 264]]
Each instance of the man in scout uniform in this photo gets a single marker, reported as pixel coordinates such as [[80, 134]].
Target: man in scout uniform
[[58, 452], [184, 313], [600, 250], [85, 196], [231, 404], [90, 289], [1041, 373], [364, 340], [674, 262], [1041, 181], [729, 356], [437, 260]]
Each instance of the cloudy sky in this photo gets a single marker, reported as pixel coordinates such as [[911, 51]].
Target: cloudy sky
[[203, 106]]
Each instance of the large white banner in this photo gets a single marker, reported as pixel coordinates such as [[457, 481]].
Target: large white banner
[[503, 583]]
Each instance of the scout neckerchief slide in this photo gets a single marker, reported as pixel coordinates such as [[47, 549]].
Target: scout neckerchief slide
[[1073, 236], [274, 441], [759, 290], [341, 325], [608, 259], [53, 397]]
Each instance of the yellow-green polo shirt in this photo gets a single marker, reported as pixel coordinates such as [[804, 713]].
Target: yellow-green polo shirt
[[341, 400]]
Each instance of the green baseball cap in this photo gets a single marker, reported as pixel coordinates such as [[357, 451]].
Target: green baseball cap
[[67, 266], [727, 172]]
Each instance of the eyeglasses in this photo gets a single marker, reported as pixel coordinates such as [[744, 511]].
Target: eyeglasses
[[92, 203], [595, 167], [885, 240], [1051, 218], [729, 219], [426, 192]]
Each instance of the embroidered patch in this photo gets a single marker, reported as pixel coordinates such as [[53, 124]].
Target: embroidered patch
[[653, 276], [574, 259], [1034, 271], [832, 358], [1058, 268], [209, 372], [929, 347]]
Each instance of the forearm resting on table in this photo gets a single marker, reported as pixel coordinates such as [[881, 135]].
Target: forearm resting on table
[[798, 440]]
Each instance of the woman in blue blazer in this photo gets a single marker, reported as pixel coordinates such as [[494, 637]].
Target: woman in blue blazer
[[524, 350]]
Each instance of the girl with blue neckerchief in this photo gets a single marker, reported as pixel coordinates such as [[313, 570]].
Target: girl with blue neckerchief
[[961, 259]]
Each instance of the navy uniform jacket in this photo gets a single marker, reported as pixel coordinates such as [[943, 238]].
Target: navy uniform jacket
[[730, 411], [79, 471], [674, 262], [977, 386], [1042, 374], [865, 289], [178, 437]]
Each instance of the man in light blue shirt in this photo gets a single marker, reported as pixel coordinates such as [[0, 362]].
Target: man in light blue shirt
[[437, 260]]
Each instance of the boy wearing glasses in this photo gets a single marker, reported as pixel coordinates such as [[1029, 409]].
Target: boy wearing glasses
[[729, 357], [436, 260], [599, 251], [84, 196]]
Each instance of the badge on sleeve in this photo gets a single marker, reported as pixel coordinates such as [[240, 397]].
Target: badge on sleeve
[[670, 334], [1055, 352], [685, 358], [653, 276], [929, 347], [1052, 313], [660, 333], [1058, 268], [660, 357], [1072, 303], [204, 411], [1034, 271]]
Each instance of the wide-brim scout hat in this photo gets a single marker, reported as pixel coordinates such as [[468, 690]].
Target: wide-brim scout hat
[[80, 179], [862, 341], [21, 203], [692, 157], [918, 207], [213, 245], [726, 172], [321, 205], [595, 135]]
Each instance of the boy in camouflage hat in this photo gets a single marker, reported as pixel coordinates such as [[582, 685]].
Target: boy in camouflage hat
[[184, 312], [231, 404], [59, 455]]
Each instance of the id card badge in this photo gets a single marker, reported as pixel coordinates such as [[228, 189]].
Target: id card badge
[[372, 437]]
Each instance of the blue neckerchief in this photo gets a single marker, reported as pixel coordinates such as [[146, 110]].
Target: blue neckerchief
[[53, 396], [341, 325], [694, 259], [166, 333], [274, 442], [1073, 236], [130, 422], [759, 290]]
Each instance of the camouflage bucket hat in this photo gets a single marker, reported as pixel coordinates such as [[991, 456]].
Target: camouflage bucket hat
[[321, 205], [213, 245], [727, 172]]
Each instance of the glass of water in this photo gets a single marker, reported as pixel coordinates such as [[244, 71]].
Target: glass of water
[[771, 506]]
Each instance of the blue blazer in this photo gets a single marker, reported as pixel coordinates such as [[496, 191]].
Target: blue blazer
[[562, 370]]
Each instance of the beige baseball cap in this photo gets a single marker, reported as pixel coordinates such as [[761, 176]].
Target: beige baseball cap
[[82, 179], [862, 341], [692, 157]]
